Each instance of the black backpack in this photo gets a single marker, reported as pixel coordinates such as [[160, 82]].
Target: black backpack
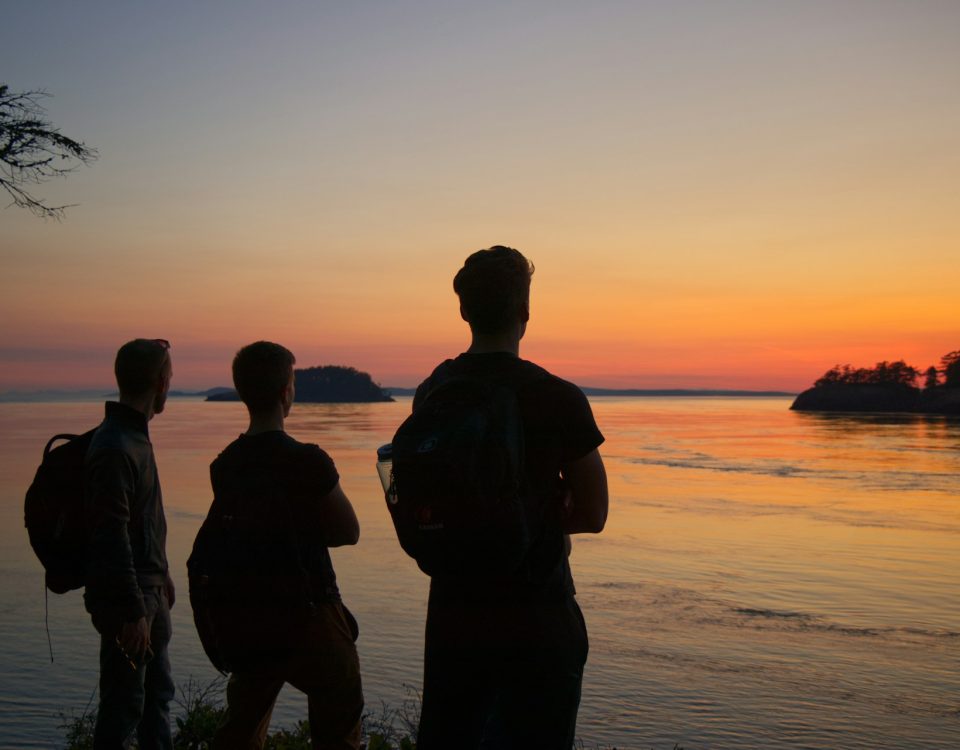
[[458, 489], [54, 514], [249, 588]]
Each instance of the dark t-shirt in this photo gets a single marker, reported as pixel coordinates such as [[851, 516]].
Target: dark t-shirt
[[296, 476], [558, 428]]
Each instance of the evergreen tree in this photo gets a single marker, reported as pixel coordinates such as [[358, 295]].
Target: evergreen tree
[[951, 369]]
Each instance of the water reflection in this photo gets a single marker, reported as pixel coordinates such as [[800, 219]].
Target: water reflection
[[767, 578]]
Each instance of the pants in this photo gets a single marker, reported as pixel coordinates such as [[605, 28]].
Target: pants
[[136, 700], [502, 678], [324, 665]]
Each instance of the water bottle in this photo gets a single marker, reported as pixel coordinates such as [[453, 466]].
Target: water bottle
[[385, 470]]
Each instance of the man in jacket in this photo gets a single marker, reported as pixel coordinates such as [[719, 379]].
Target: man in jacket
[[504, 656], [128, 588]]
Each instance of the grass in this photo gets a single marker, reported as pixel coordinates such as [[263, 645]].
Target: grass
[[201, 708]]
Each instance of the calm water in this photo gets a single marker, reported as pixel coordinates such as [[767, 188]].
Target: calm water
[[766, 580]]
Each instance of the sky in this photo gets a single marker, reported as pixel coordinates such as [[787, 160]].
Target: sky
[[715, 194]]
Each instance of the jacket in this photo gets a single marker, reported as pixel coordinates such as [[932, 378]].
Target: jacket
[[124, 507]]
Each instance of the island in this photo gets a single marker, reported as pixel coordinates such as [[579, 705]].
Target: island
[[326, 384], [886, 387]]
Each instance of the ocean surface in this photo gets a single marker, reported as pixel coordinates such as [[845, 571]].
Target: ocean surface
[[766, 579]]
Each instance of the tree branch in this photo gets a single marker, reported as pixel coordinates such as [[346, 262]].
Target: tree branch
[[32, 150]]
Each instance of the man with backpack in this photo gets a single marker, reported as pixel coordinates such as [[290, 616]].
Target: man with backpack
[[505, 639], [262, 585], [128, 588]]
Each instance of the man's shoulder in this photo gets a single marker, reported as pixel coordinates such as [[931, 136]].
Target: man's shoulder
[[276, 447], [495, 366], [113, 436], [528, 378], [540, 377], [544, 391], [302, 452]]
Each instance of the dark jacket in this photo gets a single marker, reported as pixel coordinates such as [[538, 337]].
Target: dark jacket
[[124, 507]]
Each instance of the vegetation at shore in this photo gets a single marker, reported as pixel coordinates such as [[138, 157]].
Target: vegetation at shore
[[897, 373], [201, 708]]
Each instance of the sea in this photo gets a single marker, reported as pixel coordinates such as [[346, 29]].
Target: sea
[[767, 579]]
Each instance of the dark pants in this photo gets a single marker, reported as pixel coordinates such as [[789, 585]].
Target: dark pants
[[323, 664], [135, 699], [502, 677]]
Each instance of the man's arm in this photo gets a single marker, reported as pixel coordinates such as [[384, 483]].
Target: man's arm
[[586, 479], [338, 519]]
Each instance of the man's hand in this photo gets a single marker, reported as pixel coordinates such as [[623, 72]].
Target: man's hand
[[170, 591], [134, 639]]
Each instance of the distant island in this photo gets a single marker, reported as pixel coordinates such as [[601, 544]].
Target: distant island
[[887, 387], [329, 384]]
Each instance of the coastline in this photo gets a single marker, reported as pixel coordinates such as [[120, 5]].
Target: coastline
[[873, 398]]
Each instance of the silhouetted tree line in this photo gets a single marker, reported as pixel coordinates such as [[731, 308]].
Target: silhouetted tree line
[[897, 373]]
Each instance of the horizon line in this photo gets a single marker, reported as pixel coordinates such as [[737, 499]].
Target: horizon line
[[24, 394]]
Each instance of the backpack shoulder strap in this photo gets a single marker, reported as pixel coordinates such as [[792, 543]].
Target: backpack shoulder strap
[[69, 437], [62, 436]]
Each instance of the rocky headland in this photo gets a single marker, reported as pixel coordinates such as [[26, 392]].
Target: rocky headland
[[879, 398]]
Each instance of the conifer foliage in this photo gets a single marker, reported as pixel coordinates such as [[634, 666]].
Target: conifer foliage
[[33, 151]]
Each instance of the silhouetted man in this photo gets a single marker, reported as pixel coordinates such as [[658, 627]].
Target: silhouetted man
[[289, 624], [504, 656], [128, 588]]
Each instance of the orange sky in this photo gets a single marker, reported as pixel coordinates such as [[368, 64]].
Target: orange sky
[[734, 199]]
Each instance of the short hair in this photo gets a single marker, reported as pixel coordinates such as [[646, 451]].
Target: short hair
[[260, 373], [493, 287], [139, 364]]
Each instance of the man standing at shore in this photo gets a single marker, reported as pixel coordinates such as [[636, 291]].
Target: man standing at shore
[[265, 595], [504, 654], [128, 587]]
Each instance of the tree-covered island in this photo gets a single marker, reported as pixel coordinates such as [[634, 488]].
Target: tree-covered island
[[887, 387], [329, 384]]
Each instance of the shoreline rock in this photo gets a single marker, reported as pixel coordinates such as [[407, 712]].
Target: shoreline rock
[[879, 399]]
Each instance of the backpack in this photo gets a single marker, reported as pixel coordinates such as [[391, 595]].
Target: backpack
[[458, 489], [54, 515], [249, 588]]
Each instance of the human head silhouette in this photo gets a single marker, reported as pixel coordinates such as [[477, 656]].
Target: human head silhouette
[[143, 369], [263, 376], [494, 289]]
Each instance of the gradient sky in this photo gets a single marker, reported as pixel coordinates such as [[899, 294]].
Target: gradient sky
[[715, 194]]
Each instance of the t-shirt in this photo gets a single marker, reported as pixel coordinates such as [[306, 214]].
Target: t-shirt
[[297, 476], [558, 428]]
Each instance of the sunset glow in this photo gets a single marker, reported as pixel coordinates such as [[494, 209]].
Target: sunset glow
[[715, 195]]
